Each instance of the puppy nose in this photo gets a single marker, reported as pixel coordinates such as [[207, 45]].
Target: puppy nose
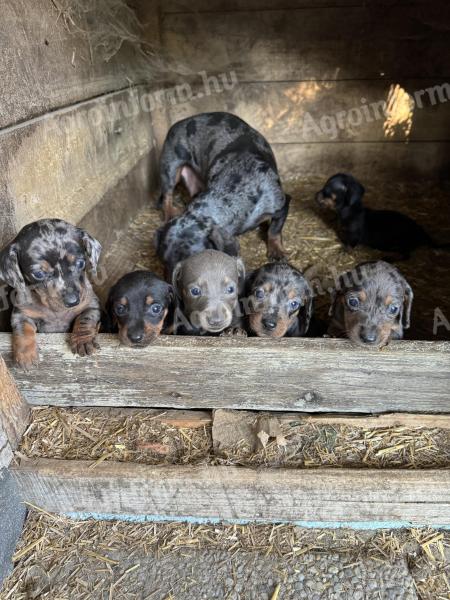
[[135, 336], [71, 299], [368, 337], [269, 323]]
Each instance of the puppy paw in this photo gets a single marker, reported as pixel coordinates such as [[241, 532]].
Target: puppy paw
[[234, 332], [27, 359], [83, 345]]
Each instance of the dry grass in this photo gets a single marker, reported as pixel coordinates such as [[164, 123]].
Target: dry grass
[[138, 436], [313, 245], [59, 558]]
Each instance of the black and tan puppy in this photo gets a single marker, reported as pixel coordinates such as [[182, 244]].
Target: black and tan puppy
[[278, 301], [208, 285], [371, 305], [385, 230], [230, 172], [140, 307], [46, 267]]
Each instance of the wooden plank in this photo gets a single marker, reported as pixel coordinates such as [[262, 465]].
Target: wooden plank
[[193, 6], [308, 375], [364, 159], [373, 422], [14, 415], [324, 111], [61, 165], [339, 495], [313, 43], [44, 66]]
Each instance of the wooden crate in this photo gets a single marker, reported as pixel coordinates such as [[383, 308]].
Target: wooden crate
[[304, 375]]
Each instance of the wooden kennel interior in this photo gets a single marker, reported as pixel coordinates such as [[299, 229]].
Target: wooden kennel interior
[[88, 93]]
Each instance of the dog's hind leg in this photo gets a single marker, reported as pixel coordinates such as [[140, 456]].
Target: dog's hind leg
[[275, 250]]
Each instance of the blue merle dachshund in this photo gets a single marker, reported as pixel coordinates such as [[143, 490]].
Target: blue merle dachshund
[[231, 175]]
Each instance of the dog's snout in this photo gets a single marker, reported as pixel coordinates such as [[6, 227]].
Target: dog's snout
[[368, 336], [269, 323], [135, 337], [215, 321], [71, 299]]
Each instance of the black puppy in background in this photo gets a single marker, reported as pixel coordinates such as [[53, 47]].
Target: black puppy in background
[[385, 230]]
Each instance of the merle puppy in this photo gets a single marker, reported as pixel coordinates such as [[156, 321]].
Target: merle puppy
[[371, 305], [279, 301], [140, 307], [46, 267], [230, 172], [385, 230]]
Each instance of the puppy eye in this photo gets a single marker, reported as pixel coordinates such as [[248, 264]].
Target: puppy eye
[[80, 263], [38, 275], [393, 309], [120, 309], [230, 289], [156, 309], [196, 291], [353, 302], [294, 304], [259, 293]]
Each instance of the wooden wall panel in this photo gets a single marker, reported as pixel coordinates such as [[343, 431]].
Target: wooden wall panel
[[43, 65], [325, 111], [331, 43], [62, 164]]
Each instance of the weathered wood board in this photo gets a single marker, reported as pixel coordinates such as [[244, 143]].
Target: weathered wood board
[[193, 6], [14, 415], [62, 164], [308, 375], [47, 62], [327, 111], [318, 495], [313, 43]]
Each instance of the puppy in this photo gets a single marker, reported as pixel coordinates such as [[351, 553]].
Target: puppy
[[207, 286], [140, 306], [231, 171], [279, 301], [385, 230], [371, 305], [46, 267]]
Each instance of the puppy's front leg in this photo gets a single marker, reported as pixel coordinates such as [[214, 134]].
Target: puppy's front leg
[[85, 329], [24, 343]]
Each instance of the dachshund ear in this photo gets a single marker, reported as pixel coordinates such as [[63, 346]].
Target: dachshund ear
[[176, 273], [355, 192], [241, 275], [307, 309], [10, 271], [93, 250], [407, 305], [223, 242]]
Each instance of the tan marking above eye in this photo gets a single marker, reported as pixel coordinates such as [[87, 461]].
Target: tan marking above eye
[[362, 296], [71, 258], [292, 294], [149, 300], [267, 287], [123, 300], [45, 266], [388, 300]]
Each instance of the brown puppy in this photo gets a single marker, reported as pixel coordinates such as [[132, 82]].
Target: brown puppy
[[46, 267], [371, 305], [207, 285]]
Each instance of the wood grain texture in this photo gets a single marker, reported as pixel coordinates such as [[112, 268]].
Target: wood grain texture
[[308, 375], [369, 159], [314, 43], [420, 497], [325, 111], [14, 415], [61, 165], [44, 66]]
